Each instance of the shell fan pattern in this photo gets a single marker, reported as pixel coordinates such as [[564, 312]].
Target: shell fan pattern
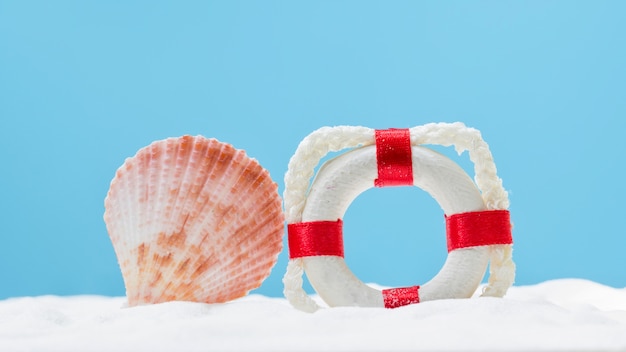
[[193, 219]]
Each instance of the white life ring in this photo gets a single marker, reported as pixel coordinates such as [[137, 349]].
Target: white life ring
[[318, 250]]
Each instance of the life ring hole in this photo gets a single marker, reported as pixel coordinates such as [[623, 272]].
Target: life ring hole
[[462, 160], [394, 236]]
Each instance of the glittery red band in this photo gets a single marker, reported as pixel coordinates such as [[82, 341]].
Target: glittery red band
[[309, 239], [393, 157], [401, 296], [478, 228]]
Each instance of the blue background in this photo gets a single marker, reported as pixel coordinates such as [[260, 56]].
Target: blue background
[[85, 84]]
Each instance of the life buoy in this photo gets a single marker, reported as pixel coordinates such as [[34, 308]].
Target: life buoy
[[477, 223]]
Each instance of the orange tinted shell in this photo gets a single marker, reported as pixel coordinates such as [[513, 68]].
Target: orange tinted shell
[[193, 219]]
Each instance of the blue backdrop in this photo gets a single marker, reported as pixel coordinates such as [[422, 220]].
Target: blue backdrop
[[85, 84]]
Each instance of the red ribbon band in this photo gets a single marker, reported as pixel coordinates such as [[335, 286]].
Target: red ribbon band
[[393, 157], [314, 238], [478, 228], [401, 296]]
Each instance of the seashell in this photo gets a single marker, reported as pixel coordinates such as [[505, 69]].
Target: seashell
[[193, 219]]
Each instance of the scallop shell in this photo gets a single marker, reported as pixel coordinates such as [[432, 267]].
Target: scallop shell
[[193, 219]]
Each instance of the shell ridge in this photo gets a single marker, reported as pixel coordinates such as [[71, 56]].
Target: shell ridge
[[116, 205], [134, 280], [224, 184], [184, 172], [213, 195], [265, 219], [254, 272], [204, 196], [158, 171], [136, 207], [194, 253], [271, 224], [243, 201], [251, 233], [112, 212]]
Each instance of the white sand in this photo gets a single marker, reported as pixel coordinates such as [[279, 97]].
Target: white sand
[[563, 314]]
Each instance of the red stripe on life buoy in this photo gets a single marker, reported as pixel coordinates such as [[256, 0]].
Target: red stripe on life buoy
[[401, 296], [478, 228], [393, 157], [315, 238]]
